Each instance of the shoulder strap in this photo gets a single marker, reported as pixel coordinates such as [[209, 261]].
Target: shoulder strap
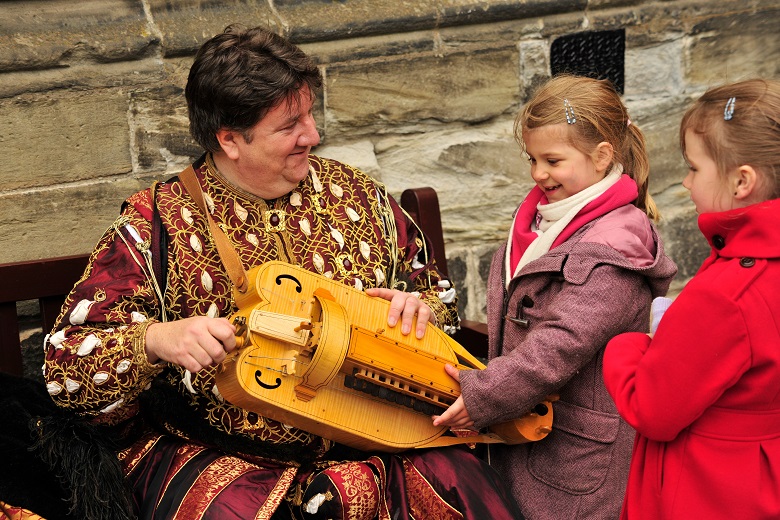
[[227, 252]]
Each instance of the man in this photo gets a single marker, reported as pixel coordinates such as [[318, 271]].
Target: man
[[142, 335]]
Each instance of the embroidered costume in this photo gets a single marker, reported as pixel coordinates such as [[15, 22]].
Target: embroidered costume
[[215, 460], [704, 393], [548, 325]]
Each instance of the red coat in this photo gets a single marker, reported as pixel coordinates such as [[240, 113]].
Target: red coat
[[704, 393]]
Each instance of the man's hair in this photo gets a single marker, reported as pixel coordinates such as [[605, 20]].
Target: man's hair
[[241, 74]]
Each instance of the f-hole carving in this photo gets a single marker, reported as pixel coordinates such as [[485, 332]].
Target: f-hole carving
[[259, 374]]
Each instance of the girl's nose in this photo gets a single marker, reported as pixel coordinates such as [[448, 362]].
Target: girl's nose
[[686, 182], [538, 174]]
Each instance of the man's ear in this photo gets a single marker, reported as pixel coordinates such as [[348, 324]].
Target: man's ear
[[602, 156], [744, 181], [227, 140]]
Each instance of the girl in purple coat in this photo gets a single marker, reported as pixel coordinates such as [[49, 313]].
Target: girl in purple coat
[[582, 263], [704, 392]]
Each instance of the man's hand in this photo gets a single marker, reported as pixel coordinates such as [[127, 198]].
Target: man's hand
[[193, 343], [405, 306], [456, 416]]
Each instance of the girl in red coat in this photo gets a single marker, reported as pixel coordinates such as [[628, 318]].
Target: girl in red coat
[[703, 392]]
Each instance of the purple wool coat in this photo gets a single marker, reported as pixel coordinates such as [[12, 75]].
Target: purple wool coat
[[574, 298]]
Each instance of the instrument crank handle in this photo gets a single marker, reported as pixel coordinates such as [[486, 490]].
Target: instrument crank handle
[[242, 333]]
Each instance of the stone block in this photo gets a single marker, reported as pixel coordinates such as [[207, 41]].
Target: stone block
[[161, 128], [534, 66], [183, 25], [421, 90], [683, 241], [50, 34], [61, 221], [478, 173], [56, 138], [370, 47], [458, 274], [82, 76], [659, 119], [734, 47], [654, 71], [319, 20], [359, 154]]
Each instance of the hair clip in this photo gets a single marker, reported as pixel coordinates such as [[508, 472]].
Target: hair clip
[[628, 122], [570, 118], [728, 112]]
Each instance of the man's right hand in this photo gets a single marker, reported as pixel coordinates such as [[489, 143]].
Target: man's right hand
[[193, 343]]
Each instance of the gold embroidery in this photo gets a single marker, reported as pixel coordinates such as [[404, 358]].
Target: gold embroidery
[[424, 501], [361, 490], [276, 496], [210, 483]]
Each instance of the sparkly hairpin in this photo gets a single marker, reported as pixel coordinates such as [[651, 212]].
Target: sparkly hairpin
[[728, 112], [570, 118]]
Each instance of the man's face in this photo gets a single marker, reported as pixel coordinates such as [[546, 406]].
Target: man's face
[[272, 157]]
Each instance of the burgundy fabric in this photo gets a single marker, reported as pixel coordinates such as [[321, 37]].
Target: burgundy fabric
[[161, 482], [441, 484]]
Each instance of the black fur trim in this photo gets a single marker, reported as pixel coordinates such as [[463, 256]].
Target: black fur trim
[[52, 463]]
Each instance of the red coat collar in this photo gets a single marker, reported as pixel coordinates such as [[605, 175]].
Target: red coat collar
[[753, 231]]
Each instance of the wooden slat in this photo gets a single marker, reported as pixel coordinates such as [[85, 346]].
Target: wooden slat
[[35, 279], [48, 281], [10, 353]]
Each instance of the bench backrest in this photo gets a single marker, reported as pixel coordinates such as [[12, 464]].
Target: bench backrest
[[48, 281]]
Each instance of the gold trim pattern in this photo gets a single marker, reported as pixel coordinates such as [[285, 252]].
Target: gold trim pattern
[[276, 495]]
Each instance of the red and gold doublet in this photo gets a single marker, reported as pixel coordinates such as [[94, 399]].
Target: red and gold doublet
[[338, 222]]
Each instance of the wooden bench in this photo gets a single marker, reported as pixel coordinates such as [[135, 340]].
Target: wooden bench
[[50, 280]]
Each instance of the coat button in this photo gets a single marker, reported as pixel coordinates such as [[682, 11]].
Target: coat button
[[718, 241], [747, 262]]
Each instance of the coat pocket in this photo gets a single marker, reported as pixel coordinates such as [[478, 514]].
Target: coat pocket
[[576, 456]]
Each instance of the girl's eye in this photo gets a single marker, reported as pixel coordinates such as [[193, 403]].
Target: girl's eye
[[552, 161]]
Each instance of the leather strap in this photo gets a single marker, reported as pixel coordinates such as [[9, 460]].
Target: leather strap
[[227, 252]]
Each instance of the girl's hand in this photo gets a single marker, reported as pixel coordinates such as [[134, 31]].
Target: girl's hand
[[405, 306], [456, 416]]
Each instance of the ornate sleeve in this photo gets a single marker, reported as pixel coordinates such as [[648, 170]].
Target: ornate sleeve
[[417, 271], [95, 360]]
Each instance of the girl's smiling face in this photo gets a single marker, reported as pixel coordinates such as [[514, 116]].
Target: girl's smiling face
[[558, 168]]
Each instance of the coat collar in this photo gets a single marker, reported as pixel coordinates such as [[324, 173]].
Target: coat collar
[[752, 231]]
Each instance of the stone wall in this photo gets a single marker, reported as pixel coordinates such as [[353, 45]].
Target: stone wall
[[417, 93]]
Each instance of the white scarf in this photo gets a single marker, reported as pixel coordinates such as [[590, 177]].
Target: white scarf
[[556, 216]]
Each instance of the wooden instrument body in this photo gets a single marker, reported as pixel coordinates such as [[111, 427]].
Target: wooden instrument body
[[310, 344]]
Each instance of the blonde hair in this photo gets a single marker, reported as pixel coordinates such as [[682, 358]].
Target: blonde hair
[[750, 137], [600, 116]]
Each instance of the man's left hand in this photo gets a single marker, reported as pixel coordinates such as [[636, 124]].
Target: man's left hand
[[405, 306]]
